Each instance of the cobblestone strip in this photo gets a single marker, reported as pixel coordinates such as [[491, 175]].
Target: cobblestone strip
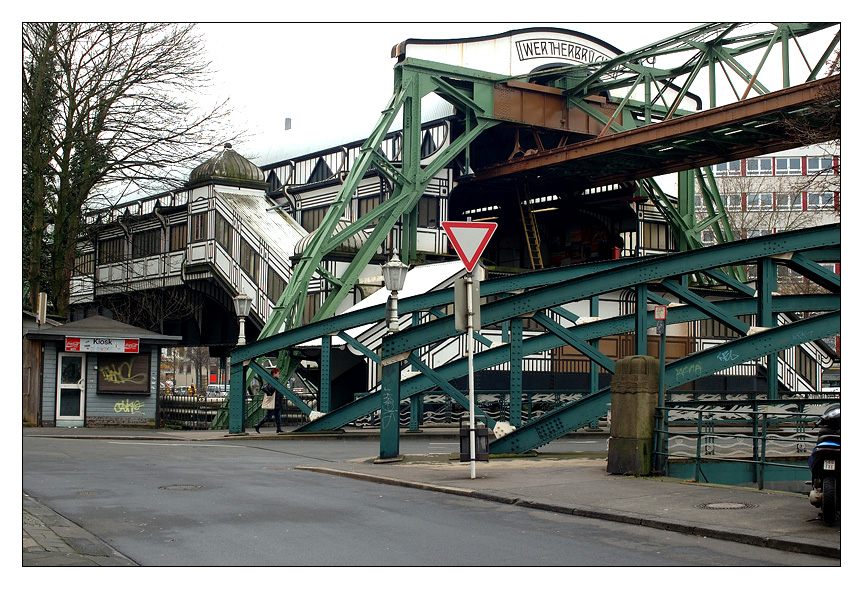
[[49, 539]]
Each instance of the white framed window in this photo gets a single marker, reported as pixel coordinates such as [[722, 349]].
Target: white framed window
[[788, 166], [732, 202], [760, 166], [758, 232], [814, 165], [707, 237], [822, 201], [789, 202], [759, 201], [727, 169]]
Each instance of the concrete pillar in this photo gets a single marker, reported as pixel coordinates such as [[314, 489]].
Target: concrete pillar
[[634, 399]]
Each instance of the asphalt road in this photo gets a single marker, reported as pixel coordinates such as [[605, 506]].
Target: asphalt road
[[241, 502]]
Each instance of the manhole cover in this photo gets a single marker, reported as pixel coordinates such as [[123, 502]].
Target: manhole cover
[[181, 487], [726, 505]]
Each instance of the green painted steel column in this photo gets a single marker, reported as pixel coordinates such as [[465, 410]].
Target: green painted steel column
[[416, 418], [594, 368], [237, 402], [390, 383], [416, 413], [325, 388], [515, 371], [641, 320], [685, 206], [767, 284]]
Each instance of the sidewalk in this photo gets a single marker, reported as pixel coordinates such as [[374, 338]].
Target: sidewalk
[[50, 540], [567, 483]]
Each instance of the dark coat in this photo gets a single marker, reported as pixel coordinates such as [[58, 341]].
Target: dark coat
[[269, 389]]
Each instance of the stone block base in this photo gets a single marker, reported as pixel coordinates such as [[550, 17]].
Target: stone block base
[[629, 456]]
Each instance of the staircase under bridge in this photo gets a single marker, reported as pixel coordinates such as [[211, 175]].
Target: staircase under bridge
[[565, 303]]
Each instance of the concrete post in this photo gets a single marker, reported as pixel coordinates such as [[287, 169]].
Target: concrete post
[[634, 399]]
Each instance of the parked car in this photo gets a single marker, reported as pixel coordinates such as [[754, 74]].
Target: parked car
[[217, 391], [181, 390]]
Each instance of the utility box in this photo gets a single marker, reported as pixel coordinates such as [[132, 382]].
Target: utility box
[[481, 450]]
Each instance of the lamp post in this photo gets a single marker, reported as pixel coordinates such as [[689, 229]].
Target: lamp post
[[242, 304], [394, 272]]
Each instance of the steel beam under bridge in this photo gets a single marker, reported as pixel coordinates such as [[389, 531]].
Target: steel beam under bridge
[[749, 128]]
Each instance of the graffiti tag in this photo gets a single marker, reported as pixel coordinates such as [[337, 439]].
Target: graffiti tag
[[802, 336], [122, 374], [727, 356], [128, 406], [387, 407], [684, 372]]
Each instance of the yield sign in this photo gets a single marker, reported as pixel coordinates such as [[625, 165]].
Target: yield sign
[[469, 239]]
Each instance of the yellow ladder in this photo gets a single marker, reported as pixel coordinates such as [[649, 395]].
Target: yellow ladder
[[528, 220]]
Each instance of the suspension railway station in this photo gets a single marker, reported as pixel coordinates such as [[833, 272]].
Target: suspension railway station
[[556, 136]]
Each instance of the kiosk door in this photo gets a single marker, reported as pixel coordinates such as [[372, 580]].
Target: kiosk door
[[70, 390]]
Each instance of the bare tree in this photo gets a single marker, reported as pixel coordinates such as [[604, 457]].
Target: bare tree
[[765, 204], [752, 207], [109, 110], [150, 309], [826, 115], [200, 358]]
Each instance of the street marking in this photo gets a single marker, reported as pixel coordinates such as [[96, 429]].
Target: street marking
[[187, 444]]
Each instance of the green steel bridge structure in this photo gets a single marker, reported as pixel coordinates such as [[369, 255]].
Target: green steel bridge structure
[[630, 126], [541, 295]]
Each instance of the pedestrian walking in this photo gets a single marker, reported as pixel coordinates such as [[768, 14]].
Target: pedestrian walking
[[272, 402]]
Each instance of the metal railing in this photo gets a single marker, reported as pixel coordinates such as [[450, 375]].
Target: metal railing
[[187, 411], [751, 433], [194, 413], [440, 408]]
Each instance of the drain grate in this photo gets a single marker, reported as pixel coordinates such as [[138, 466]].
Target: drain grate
[[181, 487], [87, 492], [726, 505]]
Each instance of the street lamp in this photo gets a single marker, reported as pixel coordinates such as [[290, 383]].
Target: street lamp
[[242, 304], [395, 273]]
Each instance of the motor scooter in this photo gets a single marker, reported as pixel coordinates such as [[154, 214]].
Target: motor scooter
[[825, 466]]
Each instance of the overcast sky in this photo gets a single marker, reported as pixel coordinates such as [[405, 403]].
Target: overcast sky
[[333, 79]]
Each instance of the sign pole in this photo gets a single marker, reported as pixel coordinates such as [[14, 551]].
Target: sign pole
[[469, 239], [468, 279], [660, 313]]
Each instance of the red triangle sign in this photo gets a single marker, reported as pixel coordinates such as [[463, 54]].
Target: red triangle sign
[[469, 239]]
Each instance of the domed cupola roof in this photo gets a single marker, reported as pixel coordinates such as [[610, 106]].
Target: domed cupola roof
[[230, 167]]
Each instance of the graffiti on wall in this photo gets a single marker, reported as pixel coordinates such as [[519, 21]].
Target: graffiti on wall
[[123, 374], [129, 406]]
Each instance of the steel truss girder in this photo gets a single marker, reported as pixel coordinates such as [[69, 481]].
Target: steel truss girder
[[640, 272], [614, 326], [412, 83], [500, 354], [712, 41], [711, 309], [751, 347], [818, 240], [576, 414], [264, 375]]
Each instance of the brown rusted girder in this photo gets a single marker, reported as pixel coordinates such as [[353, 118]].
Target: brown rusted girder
[[748, 128]]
